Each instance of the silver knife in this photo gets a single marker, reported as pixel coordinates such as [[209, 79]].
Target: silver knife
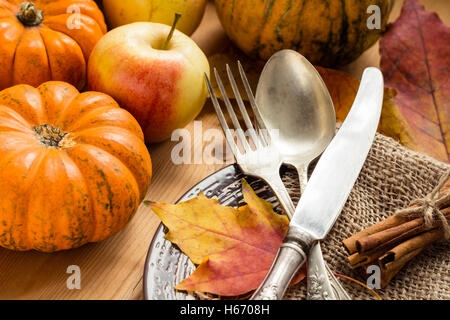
[[329, 186]]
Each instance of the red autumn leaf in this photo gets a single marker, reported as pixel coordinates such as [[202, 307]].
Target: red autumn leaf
[[233, 247], [415, 57]]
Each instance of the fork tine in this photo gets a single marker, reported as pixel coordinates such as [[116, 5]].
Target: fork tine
[[242, 108], [259, 121], [222, 120], [234, 119]]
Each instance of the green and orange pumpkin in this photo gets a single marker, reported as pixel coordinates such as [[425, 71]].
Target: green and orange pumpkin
[[45, 40], [326, 32], [73, 167]]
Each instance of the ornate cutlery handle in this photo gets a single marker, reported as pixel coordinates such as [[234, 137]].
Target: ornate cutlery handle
[[322, 284], [290, 257]]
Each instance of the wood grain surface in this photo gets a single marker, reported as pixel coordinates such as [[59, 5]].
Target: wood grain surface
[[113, 269]]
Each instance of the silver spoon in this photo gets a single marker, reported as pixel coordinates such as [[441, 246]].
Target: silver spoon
[[298, 113]]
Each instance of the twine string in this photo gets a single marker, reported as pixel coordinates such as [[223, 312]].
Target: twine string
[[428, 207]]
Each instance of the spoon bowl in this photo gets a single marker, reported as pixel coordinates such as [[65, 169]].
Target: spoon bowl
[[296, 108]]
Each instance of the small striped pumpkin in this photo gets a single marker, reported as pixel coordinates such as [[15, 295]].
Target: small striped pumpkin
[[326, 32], [73, 167]]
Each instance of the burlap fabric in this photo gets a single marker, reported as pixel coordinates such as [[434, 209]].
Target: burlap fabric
[[391, 178]]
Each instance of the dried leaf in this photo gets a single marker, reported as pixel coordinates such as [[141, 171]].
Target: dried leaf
[[233, 247], [343, 88], [415, 57]]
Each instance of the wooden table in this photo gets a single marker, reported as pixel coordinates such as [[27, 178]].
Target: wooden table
[[113, 269]]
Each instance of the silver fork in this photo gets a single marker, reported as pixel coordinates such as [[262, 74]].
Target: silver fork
[[263, 161]]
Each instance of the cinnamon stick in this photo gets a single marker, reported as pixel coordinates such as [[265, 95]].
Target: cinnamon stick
[[392, 262], [357, 260], [387, 238], [393, 242], [418, 242], [392, 221], [350, 244], [374, 246]]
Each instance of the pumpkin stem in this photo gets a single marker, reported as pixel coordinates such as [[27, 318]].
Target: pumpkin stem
[[29, 15], [53, 137], [174, 25]]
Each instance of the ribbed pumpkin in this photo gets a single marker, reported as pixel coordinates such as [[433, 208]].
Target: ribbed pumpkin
[[327, 32], [46, 40], [73, 167]]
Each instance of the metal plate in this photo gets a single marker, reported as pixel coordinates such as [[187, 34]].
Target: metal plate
[[166, 265]]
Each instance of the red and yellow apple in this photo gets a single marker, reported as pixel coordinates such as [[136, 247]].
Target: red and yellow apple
[[120, 12], [163, 88]]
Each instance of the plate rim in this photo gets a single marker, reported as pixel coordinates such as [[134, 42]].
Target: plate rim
[[161, 225]]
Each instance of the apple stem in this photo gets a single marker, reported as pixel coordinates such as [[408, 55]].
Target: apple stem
[[174, 25]]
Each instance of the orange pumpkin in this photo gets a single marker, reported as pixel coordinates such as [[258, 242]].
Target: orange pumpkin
[[73, 167], [46, 40]]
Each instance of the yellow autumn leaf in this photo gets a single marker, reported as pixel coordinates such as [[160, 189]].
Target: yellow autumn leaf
[[234, 247]]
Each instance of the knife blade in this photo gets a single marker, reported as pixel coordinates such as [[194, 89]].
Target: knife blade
[[329, 186]]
